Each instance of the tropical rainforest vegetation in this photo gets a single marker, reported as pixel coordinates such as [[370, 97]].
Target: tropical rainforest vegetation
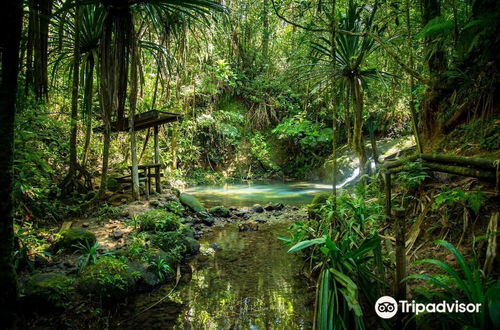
[[282, 90]]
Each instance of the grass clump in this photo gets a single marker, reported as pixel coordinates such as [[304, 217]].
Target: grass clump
[[159, 220]]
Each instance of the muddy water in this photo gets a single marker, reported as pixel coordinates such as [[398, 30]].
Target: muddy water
[[250, 282]]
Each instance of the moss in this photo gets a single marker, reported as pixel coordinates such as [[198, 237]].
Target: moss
[[72, 237], [178, 245], [49, 290], [109, 278], [192, 245], [192, 203], [159, 220], [220, 211]]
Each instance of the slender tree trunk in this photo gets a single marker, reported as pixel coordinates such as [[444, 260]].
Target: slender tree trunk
[[413, 112], [133, 104], [41, 11], [333, 27], [265, 30], [106, 93], [70, 184], [29, 48], [10, 22], [359, 145], [89, 91], [348, 115]]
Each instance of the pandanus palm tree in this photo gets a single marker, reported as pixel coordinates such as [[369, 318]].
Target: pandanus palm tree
[[349, 66], [77, 42], [117, 43]]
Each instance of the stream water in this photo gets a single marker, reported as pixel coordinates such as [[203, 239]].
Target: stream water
[[248, 194], [251, 282]]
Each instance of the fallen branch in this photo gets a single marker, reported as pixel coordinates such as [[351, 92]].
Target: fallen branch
[[482, 163]]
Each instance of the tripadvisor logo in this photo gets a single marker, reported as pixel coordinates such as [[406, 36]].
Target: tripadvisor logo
[[386, 307]]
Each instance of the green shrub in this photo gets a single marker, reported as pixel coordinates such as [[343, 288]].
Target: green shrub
[[320, 198], [108, 278], [159, 220], [175, 207]]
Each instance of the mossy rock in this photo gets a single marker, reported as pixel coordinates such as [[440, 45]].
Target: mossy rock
[[176, 244], [206, 218], [220, 211], [193, 246], [72, 237], [48, 291], [120, 199], [109, 279], [192, 203]]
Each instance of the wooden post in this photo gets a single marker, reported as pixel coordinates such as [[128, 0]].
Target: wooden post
[[157, 161], [146, 186], [157, 179], [157, 146], [134, 170]]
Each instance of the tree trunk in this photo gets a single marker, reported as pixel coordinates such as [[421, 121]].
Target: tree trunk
[[359, 145], [70, 182], [333, 27], [413, 112], [265, 30], [11, 22], [114, 58], [40, 11], [133, 104], [436, 65], [89, 91], [348, 115]]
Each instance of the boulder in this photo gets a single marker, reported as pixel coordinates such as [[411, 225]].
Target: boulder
[[192, 245], [279, 206], [192, 203], [108, 279], [220, 211], [48, 291], [269, 207], [257, 208], [206, 218], [70, 238]]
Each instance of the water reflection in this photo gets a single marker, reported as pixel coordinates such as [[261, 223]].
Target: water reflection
[[250, 283]]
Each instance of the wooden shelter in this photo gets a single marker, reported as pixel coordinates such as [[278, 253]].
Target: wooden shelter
[[148, 119]]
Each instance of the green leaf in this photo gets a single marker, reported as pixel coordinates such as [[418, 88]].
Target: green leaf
[[304, 244]]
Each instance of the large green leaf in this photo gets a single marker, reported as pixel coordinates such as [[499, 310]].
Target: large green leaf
[[304, 244]]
